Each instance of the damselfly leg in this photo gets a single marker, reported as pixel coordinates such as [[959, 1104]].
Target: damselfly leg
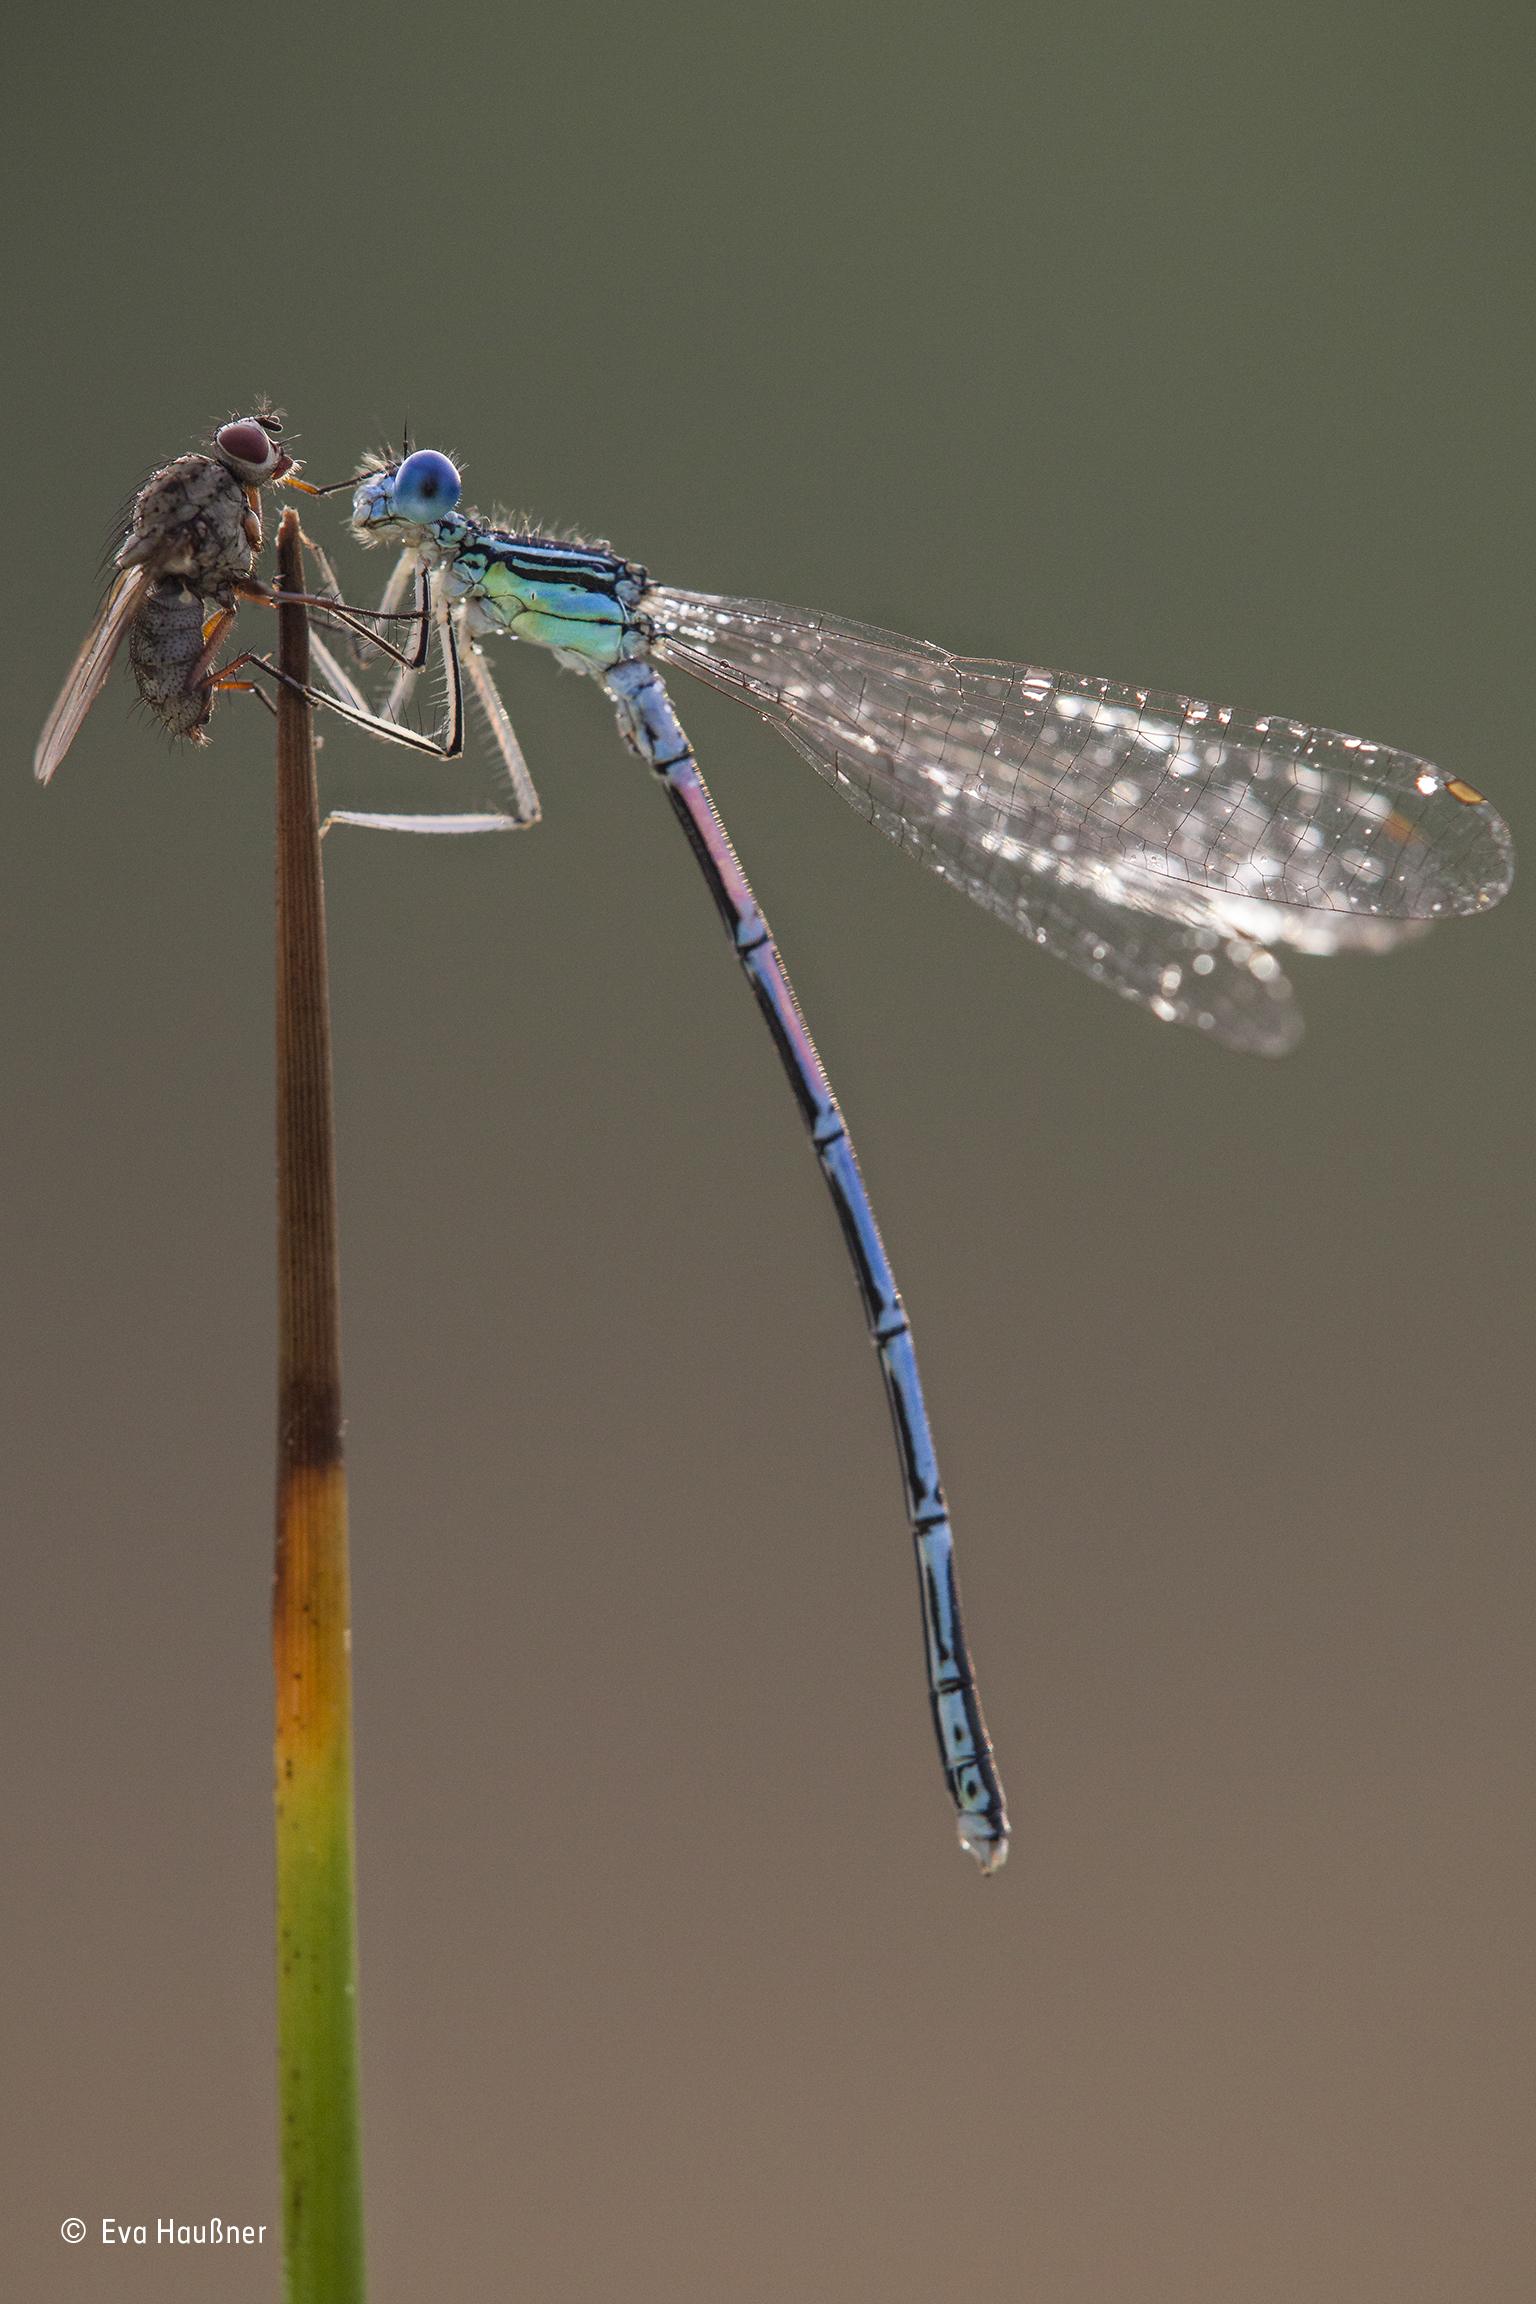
[[346, 699]]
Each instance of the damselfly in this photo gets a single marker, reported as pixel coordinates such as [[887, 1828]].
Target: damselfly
[[193, 540], [1161, 845]]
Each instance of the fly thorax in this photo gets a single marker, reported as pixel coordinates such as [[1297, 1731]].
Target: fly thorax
[[190, 521]]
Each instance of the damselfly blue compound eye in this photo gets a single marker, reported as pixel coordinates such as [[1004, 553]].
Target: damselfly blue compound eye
[[426, 486], [248, 448]]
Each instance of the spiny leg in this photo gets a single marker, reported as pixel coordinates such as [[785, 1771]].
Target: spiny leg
[[525, 810], [373, 821], [335, 674], [351, 619], [652, 728], [405, 679], [399, 578], [407, 565], [388, 611], [330, 667], [450, 747], [347, 700], [223, 685], [388, 731]]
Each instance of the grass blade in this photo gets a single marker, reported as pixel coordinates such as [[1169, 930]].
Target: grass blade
[[316, 1918]]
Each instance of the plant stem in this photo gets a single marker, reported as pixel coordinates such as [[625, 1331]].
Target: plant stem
[[316, 1918]]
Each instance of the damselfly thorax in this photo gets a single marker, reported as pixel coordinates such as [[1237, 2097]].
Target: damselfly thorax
[[581, 602]]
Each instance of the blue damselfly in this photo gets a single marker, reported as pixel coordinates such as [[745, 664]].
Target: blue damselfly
[[1161, 845]]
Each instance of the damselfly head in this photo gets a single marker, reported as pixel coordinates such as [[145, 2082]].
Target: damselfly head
[[418, 493], [252, 449]]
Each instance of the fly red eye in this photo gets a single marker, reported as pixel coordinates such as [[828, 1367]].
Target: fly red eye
[[247, 447]]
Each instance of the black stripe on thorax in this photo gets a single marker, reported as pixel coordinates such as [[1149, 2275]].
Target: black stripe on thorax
[[546, 560]]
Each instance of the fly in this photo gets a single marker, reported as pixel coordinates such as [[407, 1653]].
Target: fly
[[188, 559]]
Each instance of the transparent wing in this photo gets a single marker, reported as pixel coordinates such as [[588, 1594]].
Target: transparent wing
[[88, 673], [1057, 802], [1226, 986]]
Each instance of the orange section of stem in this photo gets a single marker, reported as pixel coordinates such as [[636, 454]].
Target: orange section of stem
[[311, 1634]]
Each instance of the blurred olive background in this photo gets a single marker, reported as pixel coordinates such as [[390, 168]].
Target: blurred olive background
[[1188, 345]]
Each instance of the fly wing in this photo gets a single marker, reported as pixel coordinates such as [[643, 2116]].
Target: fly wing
[[88, 673], [1004, 778]]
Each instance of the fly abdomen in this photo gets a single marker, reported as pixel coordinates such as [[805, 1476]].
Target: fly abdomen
[[163, 648]]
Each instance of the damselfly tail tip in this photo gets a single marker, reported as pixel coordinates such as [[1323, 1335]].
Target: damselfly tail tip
[[981, 1838]]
